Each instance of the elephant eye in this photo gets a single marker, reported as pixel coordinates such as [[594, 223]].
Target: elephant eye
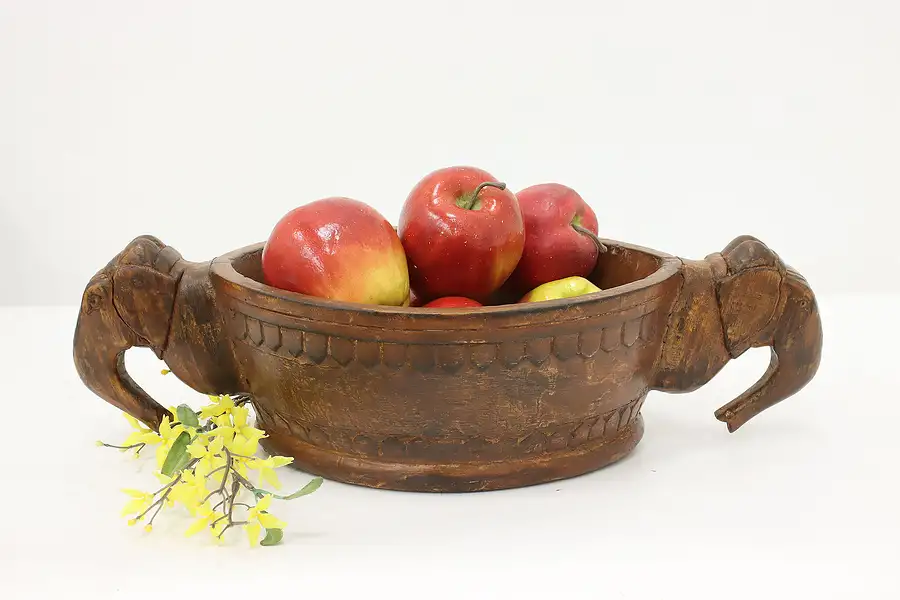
[[94, 302]]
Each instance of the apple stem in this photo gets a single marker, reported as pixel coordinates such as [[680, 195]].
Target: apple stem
[[474, 197], [600, 245]]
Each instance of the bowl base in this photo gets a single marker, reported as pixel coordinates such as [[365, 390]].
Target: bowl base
[[455, 477]]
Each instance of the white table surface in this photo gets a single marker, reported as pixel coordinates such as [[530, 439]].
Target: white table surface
[[803, 502]]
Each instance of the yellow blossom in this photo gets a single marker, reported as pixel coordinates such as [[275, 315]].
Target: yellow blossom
[[139, 502], [240, 438], [210, 454], [164, 479], [168, 434], [225, 447], [240, 465], [260, 514], [246, 446], [189, 491], [221, 405], [218, 529], [257, 517], [266, 468], [141, 433], [253, 530], [206, 518]]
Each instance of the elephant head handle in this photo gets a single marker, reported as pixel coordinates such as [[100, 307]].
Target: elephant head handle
[[742, 297], [149, 296]]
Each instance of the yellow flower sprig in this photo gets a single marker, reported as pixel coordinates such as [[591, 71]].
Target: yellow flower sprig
[[206, 468]]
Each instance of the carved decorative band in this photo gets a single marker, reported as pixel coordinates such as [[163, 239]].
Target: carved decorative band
[[552, 438], [317, 348]]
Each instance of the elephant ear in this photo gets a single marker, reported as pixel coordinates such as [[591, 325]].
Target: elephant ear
[[144, 298], [749, 296], [748, 303]]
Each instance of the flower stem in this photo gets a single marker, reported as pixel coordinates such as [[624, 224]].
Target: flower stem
[[230, 525], [158, 508], [159, 501], [244, 482], [138, 445], [214, 523], [177, 479], [221, 489], [216, 470]]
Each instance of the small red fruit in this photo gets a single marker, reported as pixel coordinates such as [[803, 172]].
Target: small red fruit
[[462, 232], [452, 302], [560, 234], [340, 249]]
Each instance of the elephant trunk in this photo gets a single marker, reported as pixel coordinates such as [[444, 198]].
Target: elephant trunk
[[796, 350], [148, 296], [743, 297], [99, 354], [119, 310]]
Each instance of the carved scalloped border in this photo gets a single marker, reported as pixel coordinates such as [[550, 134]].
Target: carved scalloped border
[[320, 349], [551, 438]]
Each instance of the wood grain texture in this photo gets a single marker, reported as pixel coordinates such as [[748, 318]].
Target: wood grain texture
[[438, 400]]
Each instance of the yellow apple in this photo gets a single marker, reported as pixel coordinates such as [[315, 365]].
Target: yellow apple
[[567, 287]]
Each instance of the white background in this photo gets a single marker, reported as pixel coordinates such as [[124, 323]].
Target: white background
[[684, 124]]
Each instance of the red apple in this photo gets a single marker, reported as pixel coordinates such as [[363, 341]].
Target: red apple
[[463, 233], [560, 236], [452, 302], [340, 249]]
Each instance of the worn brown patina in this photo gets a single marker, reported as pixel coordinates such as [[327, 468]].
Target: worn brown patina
[[451, 400]]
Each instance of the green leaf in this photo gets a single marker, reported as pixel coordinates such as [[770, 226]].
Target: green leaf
[[187, 416], [273, 536], [178, 456], [307, 489]]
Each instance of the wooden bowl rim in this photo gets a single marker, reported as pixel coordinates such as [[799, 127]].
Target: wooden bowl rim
[[670, 266]]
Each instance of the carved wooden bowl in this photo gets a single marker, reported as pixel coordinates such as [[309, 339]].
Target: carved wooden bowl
[[451, 399]]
